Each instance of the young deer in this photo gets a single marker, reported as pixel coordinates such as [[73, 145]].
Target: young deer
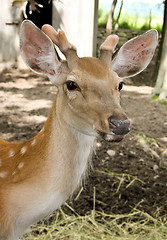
[[37, 176]]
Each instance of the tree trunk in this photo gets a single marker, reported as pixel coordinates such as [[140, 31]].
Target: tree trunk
[[150, 20], [161, 82], [110, 20], [156, 69], [119, 14]]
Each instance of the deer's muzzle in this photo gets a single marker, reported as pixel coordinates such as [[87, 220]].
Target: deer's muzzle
[[119, 127]]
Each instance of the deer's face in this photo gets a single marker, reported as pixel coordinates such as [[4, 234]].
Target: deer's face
[[89, 88], [91, 100]]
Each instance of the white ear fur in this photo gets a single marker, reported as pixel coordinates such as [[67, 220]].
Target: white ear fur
[[135, 55], [38, 51]]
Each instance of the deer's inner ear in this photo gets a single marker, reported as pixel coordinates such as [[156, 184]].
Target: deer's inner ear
[[135, 55], [38, 51]]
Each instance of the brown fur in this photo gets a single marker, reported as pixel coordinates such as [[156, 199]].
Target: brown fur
[[37, 176]]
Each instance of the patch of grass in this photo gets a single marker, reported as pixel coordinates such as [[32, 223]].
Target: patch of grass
[[154, 97], [149, 145], [122, 179], [144, 139], [164, 102], [136, 225], [97, 225], [135, 22]]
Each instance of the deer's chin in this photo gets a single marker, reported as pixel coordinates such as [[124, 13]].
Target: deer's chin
[[111, 137]]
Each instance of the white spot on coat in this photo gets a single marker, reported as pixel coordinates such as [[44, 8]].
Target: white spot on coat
[[20, 165], [3, 174], [33, 142], [23, 150], [14, 172], [11, 153]]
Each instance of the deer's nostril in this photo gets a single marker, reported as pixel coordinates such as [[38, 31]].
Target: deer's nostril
[[119, 127]]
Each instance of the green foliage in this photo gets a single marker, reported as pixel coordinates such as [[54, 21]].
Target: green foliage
[[124, 25], [164, 102], [134, 22], [144, 139], [156, 98], [102, 17]]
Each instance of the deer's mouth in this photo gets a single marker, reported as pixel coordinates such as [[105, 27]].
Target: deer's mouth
[[111, 137], [117, 130]]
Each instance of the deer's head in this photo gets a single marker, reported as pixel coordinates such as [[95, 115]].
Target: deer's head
[[88, 88]]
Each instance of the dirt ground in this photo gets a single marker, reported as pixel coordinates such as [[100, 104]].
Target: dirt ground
[[126, 175]]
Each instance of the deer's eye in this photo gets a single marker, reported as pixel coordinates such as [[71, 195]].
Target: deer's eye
[[120, 86], [71, 85]]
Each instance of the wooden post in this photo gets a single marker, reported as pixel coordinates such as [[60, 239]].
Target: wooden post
[[78, 19], [9, 19]]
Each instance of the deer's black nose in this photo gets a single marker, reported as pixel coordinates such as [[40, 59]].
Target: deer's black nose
[[119, 127]]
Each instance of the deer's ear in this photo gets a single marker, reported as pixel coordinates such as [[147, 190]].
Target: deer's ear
[[38, 51], [135, 55]]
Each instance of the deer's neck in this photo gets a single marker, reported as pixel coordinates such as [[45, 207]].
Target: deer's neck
[[69, 152], [57, 155]]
